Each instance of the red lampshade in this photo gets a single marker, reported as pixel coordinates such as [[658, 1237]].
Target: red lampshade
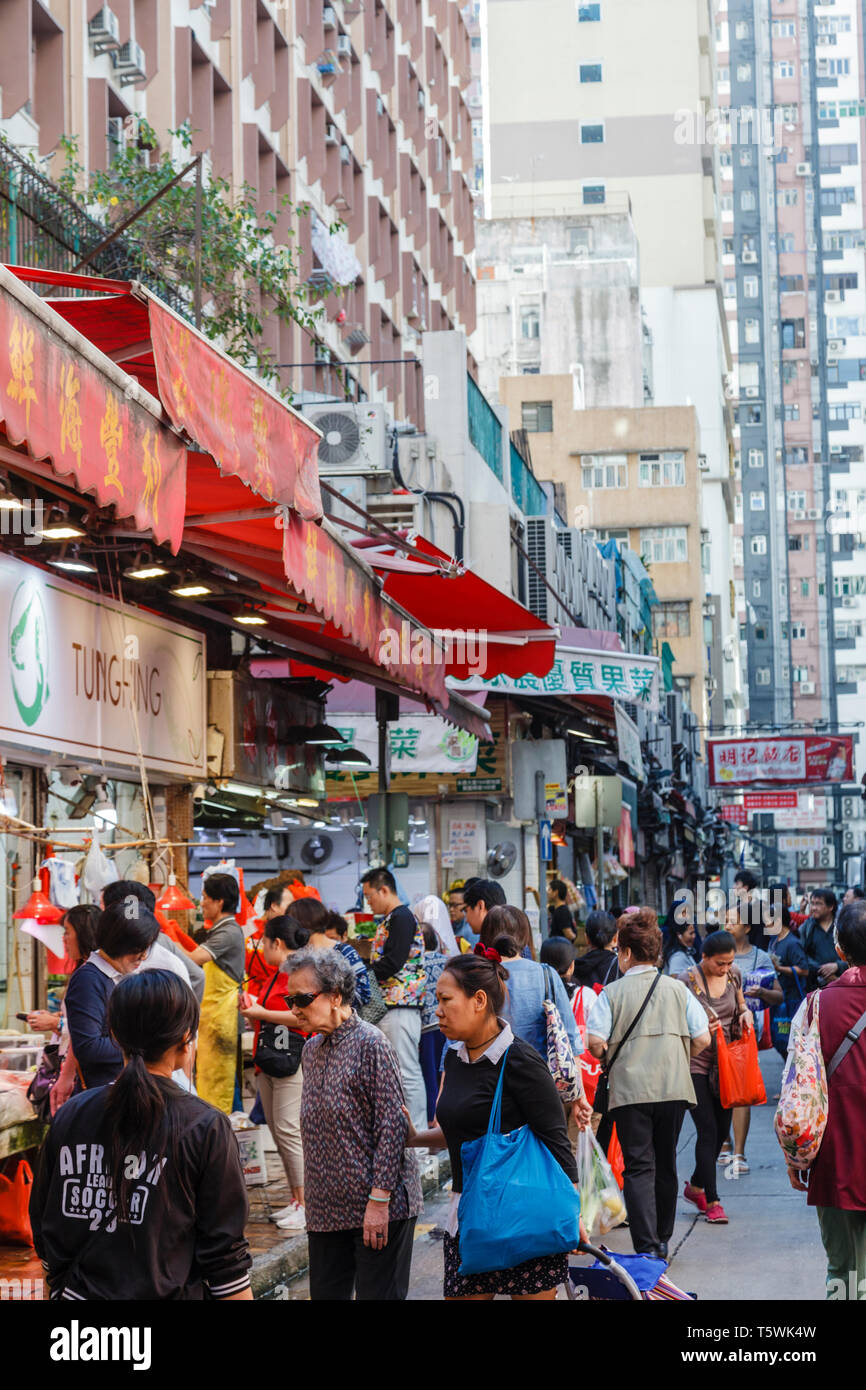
[[39, 907], [173, 899]]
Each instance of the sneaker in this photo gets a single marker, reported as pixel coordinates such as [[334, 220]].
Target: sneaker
[[737, 1166], [283, 1212], [716, 1214], [697, 1199], [295, 1221]]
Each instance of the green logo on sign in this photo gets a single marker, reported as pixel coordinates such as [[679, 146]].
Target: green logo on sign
[[28, 652]]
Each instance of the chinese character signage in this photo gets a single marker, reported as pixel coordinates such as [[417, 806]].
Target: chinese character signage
[[63, 408], [619, 675], [800, 758], [420, 743]]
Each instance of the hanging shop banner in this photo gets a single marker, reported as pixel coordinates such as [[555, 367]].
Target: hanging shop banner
[[735, 815], [628, 740], [576, 671], [252, 717], [250, 432], [417, 743], [800, 758], [55, 401], [770, 801], [92, 678], [337, 586], [810, 813]]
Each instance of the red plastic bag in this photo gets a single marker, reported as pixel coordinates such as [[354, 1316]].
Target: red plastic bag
[[590, 1067], [15, 1205], [740, 1079], [766, 1043], [615, 1157]]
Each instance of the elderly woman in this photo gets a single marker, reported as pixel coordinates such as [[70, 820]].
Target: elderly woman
[[361, 1187], [647, 1028]]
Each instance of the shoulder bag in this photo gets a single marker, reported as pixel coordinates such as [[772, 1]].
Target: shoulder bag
[[375, 1009], [600, 1104], [560, 1058], [736, 1030], [278, 1050]]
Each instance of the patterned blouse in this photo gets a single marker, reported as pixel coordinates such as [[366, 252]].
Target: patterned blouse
[[353, 1129]]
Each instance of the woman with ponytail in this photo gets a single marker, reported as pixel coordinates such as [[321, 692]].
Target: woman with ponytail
[[140, 1192]]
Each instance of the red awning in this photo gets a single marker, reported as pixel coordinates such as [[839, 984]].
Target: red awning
[[441, 594], [250, 433]]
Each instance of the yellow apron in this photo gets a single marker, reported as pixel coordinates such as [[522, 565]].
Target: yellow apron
[[216, 1063]]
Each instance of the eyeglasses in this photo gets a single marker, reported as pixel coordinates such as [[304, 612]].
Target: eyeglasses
[[301, 1001]]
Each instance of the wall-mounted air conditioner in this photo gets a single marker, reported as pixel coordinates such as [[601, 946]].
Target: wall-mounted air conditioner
[[807, 688], [750, 258], [354, 437], [329, 17], [813, 514], [849, 601], [130, 62], [345, 154], [332, 135], [835, 344], [104, 30], [798, 516], [804, 171], [752, 392], [833, 297], [344, 46], [322, 353]]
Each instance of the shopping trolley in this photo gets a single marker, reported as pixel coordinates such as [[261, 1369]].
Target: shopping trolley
[[621, 1278]]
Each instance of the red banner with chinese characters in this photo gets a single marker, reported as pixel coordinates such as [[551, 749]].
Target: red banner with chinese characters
[[771, 801], [738, 815], [326, 575], [63, 408], [798, 759], [249, 432]]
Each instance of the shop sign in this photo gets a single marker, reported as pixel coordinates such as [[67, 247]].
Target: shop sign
[[417, 743], [577, 671], [808, 813], [479, 784], [800, 758], [95, 679], [555, 800], [769, 801]]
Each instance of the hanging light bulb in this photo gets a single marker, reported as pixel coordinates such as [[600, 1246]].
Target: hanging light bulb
[[38, 907]]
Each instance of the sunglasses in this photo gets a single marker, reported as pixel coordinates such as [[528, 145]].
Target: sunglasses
[[301, 1001]]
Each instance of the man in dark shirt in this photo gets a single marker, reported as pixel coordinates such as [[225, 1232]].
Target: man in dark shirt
[[817, 939], [559, 918], [397, 961]]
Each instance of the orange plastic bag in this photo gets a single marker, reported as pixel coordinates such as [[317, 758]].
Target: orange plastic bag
[[740, 1079], [615, 1157], [15, 1205]]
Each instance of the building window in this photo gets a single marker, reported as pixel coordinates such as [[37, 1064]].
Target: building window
[[742, 29], [605, 471], [588, 14], [845, 412], [757, 501], [537, 416], [756, 588], [529, 323], [756, 458], [783, 69], [592, 134], [795, 542], [838, 67], [752, 331], [750, 287], [793, 333], [672, 619], [621, 536], [737, 551], [590, 72], [762, 675], [758, 545], [789, 197], [744, 72], [664, 545], [799, 632], [784, 29], [662, 470], [593, 193], [796, 501], [579, 239], [747, 200], [804, 588], [791, 412]]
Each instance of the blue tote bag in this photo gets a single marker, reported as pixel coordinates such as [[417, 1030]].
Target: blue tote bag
[[517, 1204]]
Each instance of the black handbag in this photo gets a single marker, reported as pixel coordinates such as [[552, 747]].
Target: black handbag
[[39, 1090], [600, 1104], [278, 1050]]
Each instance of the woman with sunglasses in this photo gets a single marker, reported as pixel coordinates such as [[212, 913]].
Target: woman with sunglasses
[[140, 1191], [361, 1185]]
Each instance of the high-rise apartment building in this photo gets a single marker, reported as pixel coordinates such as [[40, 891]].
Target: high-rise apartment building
[[793, 219], [355, 110]]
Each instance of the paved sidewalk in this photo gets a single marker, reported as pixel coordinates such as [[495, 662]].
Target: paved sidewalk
[[771, 1247]]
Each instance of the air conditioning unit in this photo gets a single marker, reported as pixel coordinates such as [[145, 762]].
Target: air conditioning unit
[[836, 345], [849, 601], [822, 67], [345, 154], [807, 688], [804, 171], [104, 30], [354, 437], [703, 463], [836, 448], [813, 514], [752, 391], [329, 17], [750, 258], [332, 135], [344, 46], [833, 297], [129, 61], [380, 107], [542, 549], [798, 516], [322, 353]]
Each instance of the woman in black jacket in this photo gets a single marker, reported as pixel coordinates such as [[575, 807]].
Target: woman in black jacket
[[471, 994], [597, 965], [140, 1192]]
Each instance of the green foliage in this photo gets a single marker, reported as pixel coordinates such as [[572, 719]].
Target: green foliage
[[246, 273]]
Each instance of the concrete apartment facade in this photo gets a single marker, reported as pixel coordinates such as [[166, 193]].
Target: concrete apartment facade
[[631, 474], [356, 110]]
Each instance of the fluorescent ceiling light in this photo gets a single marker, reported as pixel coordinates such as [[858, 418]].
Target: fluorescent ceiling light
[[73, 566], [153, 571], [192, 590]]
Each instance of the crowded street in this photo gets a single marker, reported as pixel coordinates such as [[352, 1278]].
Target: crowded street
[[432, 756]]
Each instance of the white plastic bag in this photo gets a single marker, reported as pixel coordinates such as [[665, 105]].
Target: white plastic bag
[[601, 1203]]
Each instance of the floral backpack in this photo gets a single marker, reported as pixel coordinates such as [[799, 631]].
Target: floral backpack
[[801, 1117]]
